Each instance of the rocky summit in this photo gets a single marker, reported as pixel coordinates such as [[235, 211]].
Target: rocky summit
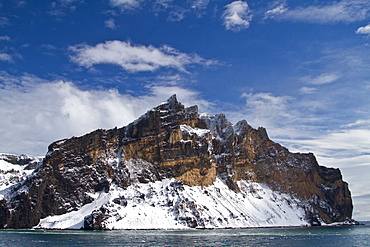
[[173, 168]]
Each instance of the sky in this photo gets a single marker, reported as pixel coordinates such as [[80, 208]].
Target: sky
[[301, 69]]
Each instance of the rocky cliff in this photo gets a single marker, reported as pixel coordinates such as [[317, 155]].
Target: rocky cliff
[[175, 168]]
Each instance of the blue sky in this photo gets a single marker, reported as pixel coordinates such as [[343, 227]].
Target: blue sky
[[299, 68]]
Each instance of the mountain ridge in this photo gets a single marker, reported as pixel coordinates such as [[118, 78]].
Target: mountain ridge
[[179, 150]]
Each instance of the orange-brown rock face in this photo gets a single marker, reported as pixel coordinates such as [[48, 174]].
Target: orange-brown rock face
[[171, 141]]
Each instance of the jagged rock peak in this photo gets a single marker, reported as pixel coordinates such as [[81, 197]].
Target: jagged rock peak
[[172, 105], [172, 102], [169, 114]]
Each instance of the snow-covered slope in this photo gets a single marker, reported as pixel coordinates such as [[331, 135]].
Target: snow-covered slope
[[14, 168], [168, 204]]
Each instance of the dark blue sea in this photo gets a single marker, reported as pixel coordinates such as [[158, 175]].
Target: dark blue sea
[[304, 236]]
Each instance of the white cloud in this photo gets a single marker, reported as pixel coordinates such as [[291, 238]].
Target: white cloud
[[322, 79], [358, 123], [336, 11], [35, 112], [177, 14], [269, 111], [364, 30], [134, 58], [340, 144], [6, 57], [110, 23], [237, 16], [276, 11], [125, 4], [199, 4], [307, 90], [60, 8], [178, 10]]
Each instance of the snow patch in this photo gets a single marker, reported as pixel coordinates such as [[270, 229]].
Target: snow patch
[[199, 132], [11, 174], [74, 219]]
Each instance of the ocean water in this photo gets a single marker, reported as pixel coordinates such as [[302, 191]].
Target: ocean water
[[291, 236]]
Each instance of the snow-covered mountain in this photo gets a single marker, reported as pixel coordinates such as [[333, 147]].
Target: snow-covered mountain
[[174, 168]]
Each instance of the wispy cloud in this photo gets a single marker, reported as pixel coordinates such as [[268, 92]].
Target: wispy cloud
[[276, 11], [199, 4], [322, 79], [60, 8], [335, 11], [267, 110], [4, 21], [6, 57], [341, 143], [177, 13], [5, 38], [237, 16], [110, 23], [36, 112], [134, 58], [307, 90], [125, 4], [178, 10]]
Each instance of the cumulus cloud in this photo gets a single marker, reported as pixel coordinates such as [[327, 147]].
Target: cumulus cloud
[[125, 4], [35, 112], [237, 16], [322, 79], [134, 58], [364, 30], [336, 11]]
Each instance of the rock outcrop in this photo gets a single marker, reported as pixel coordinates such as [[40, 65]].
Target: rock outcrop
[[179, 150]]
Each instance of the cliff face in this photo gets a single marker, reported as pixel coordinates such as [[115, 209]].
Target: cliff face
[[158, 161]]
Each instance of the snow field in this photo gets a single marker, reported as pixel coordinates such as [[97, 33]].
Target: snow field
[[168, 204]]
